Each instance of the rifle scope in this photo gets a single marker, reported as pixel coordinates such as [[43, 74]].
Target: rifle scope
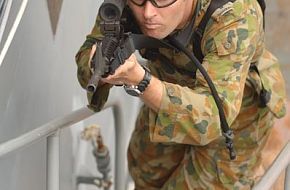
[[111, 10]]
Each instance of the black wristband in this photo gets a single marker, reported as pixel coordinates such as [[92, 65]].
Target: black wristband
[[137, 90]]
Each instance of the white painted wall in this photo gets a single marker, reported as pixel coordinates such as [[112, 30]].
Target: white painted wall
[[38, 83]]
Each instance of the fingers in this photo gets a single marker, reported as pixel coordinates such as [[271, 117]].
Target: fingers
[[119, 77], [93, 50], [130, 73], [112, 81]]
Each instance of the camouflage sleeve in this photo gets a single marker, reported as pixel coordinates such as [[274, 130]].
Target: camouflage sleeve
[[190, 116], [84, 71]]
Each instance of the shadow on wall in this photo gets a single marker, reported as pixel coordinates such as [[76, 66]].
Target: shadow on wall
[[280, 135], [277, 40], [277, 34]]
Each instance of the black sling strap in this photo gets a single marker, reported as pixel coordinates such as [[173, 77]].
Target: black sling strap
[[262, 4], [200, 29], [264, 95]]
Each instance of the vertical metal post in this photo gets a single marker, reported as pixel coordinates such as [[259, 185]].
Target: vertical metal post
[[52, 166], [121, 159], [287, 178]]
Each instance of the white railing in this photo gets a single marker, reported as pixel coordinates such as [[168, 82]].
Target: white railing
[[46, 130], [281, 162], [51, 131]]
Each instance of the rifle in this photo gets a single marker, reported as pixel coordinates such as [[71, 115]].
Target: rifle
[[104, 60]]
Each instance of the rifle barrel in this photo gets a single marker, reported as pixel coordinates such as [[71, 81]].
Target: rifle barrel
[[111, 10]]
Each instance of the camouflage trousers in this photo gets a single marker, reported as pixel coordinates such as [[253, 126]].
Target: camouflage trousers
[[171, 166]]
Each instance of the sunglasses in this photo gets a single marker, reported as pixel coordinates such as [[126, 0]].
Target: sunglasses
[[155, 3]]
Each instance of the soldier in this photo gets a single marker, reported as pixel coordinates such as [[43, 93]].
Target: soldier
[[177, 142]]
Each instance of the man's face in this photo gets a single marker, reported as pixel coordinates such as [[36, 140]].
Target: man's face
[[160, 22]]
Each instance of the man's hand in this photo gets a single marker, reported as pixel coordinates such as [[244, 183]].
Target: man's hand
[[130, 73]]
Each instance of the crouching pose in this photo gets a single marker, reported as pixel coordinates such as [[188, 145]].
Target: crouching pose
[[178, 142]]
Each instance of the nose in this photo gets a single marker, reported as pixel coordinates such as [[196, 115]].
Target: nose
[[149, 10]]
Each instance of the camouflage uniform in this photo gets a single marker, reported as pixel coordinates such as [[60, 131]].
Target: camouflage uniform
[[181, 146]]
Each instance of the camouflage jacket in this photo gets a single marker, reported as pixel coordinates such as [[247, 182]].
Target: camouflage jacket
[[181, 146]]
